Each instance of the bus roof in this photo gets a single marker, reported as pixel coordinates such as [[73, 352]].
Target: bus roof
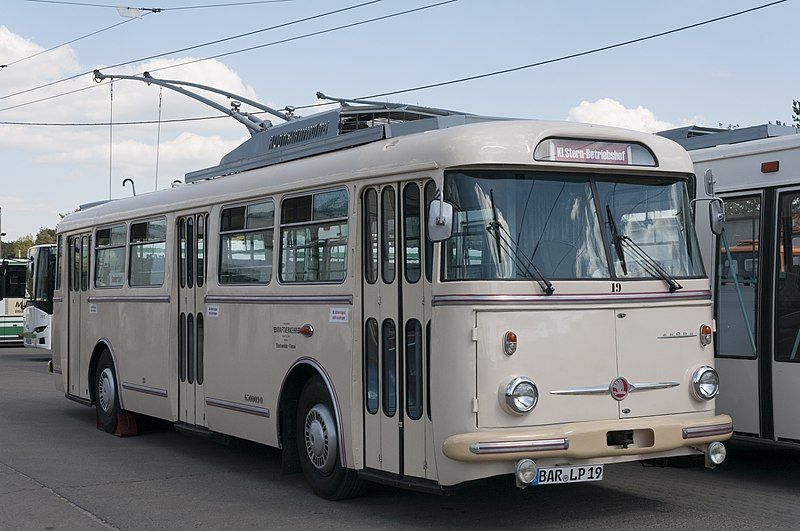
[[496, 142]]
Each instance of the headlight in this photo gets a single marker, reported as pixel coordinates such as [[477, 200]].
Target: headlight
[[521, 395], [705, 383]]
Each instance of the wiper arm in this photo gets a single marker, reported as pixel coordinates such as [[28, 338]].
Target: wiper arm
[[616, 240], [505, 242], [655, 266]]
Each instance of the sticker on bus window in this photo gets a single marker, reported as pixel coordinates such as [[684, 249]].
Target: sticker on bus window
[[339, 315], [212, 310], [92, 308]]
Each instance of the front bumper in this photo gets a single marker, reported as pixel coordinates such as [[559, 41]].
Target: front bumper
[[589, 440]]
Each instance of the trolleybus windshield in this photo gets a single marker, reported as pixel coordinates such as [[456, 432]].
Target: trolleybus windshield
[[556, 223]]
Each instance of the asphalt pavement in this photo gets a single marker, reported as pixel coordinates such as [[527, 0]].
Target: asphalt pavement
[[57, 471]]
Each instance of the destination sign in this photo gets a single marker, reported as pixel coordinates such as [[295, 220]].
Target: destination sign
[[593, 152]]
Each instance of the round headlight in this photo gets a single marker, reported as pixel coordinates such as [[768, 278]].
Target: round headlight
[[521, 395], [705, 383], [716, 452]]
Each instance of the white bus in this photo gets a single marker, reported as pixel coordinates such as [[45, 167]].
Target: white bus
[[12, 300], [39, 295], [757, 283], [294, 296]]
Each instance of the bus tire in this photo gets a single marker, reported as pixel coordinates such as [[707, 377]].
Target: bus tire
[[106, 393], [318, 445]]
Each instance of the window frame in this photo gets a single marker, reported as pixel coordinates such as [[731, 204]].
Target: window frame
[[221, 233], [105, 247], [281, 226], [131, 244]]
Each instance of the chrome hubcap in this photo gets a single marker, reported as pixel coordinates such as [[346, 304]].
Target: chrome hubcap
[[320, 438], [106, 390]]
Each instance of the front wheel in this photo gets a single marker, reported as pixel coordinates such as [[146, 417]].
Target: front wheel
[[106, 399], [318, 443]]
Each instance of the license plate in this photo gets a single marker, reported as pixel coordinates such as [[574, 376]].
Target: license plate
[[553, 475]]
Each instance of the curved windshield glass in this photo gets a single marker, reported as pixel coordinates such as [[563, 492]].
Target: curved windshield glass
[[547, 225], [549, 217], [655, 215]]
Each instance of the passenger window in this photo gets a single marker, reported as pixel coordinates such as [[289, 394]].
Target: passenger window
[[148, 249], [200, 347], [85, 242], [371, 236], [787, 278], [428, 367], [314, 235], [371, 365], [389, 337], [109, 257], [182, 347], [737, 279], [414, 374], [75, 263], [59, 242], [388, 222], [189, 252], [246, 237], [411, 251], [182, 252], [430, 191], [201, 252]]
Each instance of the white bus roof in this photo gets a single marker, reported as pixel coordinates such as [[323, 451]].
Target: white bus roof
[[501, 142]]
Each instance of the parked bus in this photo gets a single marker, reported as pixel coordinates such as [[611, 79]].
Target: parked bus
[[39, 295], [757, 301], [12, 300], [406, 295]]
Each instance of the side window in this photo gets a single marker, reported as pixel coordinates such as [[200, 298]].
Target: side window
[[109, 257], [147, 250], [75, 263], [246, 235], [413, 381], [85, 244], [59, 242], [201, 254], [182, 252], [411, 232], [314, 237], [430, 191], [370, 249], [371, 365], [388, 233], [737, 278], [189, 252], [389, 354], [787, 278]]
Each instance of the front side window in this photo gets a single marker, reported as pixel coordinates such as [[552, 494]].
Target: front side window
[[246, 234], [654, 213], [109, 257], [59, 242], [314, 235], [148, 249]]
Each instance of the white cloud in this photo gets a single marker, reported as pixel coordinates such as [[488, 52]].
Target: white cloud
[[607, 111]]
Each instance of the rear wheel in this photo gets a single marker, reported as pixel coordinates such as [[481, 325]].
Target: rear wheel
[[318, 443], [106, 398]]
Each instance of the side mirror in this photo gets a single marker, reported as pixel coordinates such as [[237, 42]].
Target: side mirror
[[440, 220], [716, 212], [709, 181]]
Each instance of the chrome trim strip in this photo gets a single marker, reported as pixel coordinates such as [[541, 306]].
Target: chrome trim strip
[[58, 299], [495, 300], [280, 299], [677, 337], [128, 298], [510, 447], [241, 408], [707, 431], [601, 390], [146, 389]]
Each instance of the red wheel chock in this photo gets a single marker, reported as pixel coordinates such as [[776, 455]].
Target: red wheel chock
[[126, 425]]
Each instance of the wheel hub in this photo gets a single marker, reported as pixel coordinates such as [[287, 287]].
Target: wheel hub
[[106, 390], [320, 438]]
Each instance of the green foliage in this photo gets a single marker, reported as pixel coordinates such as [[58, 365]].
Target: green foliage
[[19, 247], [796, 112]]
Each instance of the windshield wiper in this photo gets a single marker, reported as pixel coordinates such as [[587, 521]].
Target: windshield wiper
[[654, 268], [505, 242]]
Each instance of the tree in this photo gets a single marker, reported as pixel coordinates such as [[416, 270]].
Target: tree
[[796, 112], [45, 235], [17, 248]]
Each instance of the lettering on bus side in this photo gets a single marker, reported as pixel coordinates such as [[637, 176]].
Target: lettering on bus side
[[284, 335], [253, 398]]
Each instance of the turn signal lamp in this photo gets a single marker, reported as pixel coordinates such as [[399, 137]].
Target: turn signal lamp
[[510, 343], [705, 335]]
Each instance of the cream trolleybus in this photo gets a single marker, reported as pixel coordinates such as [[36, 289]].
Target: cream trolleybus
[[405, 295]]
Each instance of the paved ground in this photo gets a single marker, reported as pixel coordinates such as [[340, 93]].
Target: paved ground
[[58, 472]]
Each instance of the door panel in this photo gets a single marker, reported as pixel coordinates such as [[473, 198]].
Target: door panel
[[74, 317], [786, 330], [737, 312], [191, 275]]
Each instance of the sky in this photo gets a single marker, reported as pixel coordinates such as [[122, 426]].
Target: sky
[[740, 71]]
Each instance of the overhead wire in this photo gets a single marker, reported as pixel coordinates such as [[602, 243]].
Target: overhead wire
[[159, 9], [422, 87], [193, 47]]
